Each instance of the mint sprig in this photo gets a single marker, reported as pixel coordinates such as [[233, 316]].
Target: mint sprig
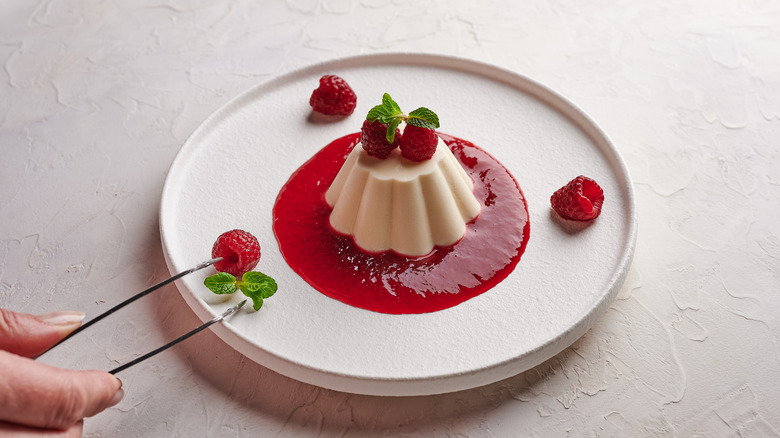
[[255, 285], [390, 113]]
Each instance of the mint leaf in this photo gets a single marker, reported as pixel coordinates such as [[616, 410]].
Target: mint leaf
[[376, 113], [424, 118], [221, 283], [390, 106], [257, 286], [391, 129], [257, 282]]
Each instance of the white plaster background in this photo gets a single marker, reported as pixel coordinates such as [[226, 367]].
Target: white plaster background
[[97, 97]]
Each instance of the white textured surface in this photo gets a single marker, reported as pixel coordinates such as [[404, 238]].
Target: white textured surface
[[96, 99]]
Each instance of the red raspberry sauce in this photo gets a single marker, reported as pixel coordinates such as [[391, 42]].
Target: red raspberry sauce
[[389, 283]]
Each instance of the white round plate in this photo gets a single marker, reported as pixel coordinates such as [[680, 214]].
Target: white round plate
[[228, 173]]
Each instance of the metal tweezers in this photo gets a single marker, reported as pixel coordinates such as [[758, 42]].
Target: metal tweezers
[[141, 294]]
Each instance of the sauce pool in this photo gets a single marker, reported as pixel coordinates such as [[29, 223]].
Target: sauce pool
[[387, 282]]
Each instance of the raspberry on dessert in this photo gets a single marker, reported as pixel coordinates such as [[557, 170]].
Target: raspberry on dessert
[[373, 137], [333, 97], [240, 252], [579, 200], [418, 144]]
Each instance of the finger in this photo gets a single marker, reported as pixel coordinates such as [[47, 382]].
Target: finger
[[39, 395], [19, 431], [29, 336]]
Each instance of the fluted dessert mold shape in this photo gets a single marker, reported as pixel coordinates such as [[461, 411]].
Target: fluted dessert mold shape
[[401, 205]]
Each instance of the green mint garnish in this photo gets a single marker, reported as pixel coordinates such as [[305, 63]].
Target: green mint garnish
[[389, 104], [391, 127], [424, 118], [390, 113], [221, 283], [255, 285]]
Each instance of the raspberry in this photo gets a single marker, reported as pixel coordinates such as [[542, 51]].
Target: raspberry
[[418, 144], [240, 252], [579, 200], [374, 139], [333, 97]]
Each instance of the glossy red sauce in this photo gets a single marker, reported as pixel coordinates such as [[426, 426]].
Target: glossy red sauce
[[389, 283]]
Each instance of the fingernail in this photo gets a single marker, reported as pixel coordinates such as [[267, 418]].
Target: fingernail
[[120, 394], [68, 320]]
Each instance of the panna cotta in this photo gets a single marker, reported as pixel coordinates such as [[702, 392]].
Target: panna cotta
[[388, 282], [400, 205]]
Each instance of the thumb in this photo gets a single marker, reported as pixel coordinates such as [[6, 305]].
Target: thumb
[[29, 336], [38, 395]]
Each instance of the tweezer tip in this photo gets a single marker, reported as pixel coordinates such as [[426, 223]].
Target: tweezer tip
[[233, 309], [208, 263]]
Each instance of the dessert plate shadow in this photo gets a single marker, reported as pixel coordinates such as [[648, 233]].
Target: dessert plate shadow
[[228, 173]]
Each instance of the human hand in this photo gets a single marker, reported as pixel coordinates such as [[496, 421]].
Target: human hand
[[40, 400]]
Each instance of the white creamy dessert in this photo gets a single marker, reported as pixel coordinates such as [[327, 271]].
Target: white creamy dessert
[[402, 205]]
